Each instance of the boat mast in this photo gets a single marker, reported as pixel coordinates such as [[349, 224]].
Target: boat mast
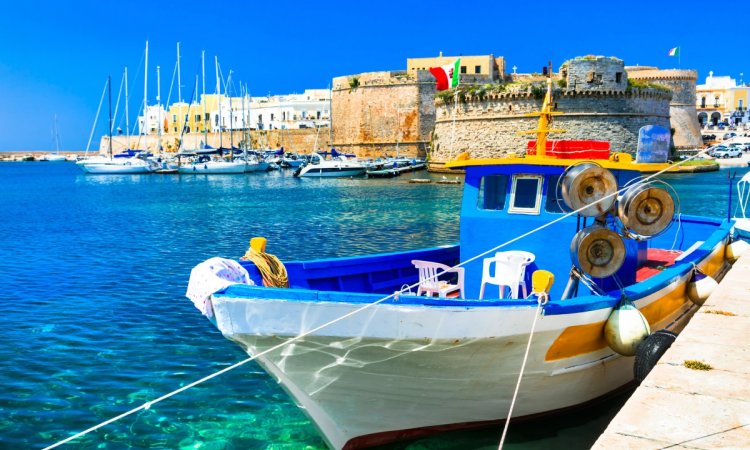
[[545, 120], [145, 94], [203, 98], [127, 118], [158, 105], [218, 99], [179, 85], [109, 89], [330, 116], [57, 136]]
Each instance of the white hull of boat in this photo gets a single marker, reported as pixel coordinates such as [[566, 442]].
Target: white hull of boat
[[419, 367], [343, 172], [114, 166], [213, 167], [54, 158]]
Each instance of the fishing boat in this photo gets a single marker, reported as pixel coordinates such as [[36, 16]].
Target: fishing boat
[[555, 251], [742, 220]]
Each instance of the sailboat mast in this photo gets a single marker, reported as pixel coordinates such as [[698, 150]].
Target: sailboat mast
[[231, 114], [203, 99], [127, 118], [218, 99], [145, 93], [330, 116], [158, 105], [179, 85], [109, 89]]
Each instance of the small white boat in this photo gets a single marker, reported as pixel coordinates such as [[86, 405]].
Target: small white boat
[[338, 166], [53, 157]]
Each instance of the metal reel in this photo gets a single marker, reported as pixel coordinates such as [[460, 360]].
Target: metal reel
[[645, 210], [587, 184], [597, 251]]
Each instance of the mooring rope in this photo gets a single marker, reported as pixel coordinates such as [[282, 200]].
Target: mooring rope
[[147, 405], [541, 301]]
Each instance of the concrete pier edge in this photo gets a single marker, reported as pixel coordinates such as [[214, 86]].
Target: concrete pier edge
[[678, 407]]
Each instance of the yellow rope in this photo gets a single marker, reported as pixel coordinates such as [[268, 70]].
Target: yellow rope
[[271, 269]]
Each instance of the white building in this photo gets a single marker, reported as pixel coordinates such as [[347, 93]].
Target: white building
[[307, 110], [154, 119]]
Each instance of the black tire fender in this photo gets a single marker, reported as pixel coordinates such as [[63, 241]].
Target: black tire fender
[[650, 351]]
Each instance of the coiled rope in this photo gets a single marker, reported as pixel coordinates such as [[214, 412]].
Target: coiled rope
[[365, 307], [271, 268]]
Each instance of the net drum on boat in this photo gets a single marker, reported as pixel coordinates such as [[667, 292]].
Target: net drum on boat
[[597, 251], [646, 210], [591, 185]]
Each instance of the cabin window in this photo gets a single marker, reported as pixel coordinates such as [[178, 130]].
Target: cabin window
[[554, 202], [492, 192], [526, 194]]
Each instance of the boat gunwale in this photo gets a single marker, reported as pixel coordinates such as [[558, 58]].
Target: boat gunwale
[[585, 303]]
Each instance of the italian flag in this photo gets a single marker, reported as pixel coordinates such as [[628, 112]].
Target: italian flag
[[674, 52], [447, 75]]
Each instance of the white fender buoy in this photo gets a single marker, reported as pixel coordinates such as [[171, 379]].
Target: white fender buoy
[[700, 287], [626, 328], [735, 250]]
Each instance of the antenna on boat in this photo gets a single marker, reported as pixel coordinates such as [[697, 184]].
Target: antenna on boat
[[545, 119]]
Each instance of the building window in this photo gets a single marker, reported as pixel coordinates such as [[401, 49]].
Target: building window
[[703, 102], [477, 69], [716, 101], [206, 118], [741, 104], [174, 117], [197, 117], [463, 69], [618, 77]]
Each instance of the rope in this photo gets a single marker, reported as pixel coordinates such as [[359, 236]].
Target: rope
[[541, 301], [365, 307], [271, 268]]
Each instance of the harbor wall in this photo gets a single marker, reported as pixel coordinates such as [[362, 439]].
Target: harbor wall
[[304, 140], [383, 113], [488, 126]]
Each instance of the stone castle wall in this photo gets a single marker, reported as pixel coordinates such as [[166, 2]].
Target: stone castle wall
[[489, 127], [383, 113], [682, 108], [297, 140]]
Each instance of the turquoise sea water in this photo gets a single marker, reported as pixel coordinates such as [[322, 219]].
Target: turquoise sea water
[[95, 322]]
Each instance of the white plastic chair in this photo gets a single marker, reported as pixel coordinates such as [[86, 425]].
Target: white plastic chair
[[430, 284], [509, 272]]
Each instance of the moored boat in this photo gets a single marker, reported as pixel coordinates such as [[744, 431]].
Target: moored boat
[[370, 366], [336, 166]]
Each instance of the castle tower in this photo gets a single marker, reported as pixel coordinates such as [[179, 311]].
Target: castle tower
[[383, 113], [682, 112]]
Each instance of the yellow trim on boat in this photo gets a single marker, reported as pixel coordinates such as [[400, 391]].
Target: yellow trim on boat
[[581, 339], [624, 164]]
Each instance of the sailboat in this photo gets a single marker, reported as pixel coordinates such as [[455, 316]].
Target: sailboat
[[130, 164], [130, 161], [55, 157]]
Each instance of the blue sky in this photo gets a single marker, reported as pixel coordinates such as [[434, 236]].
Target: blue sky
[[55, 56]]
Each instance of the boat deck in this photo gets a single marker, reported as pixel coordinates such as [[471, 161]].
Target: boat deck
[[657, 260]]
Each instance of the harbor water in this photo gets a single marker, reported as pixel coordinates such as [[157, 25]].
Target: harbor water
[[95, 322]]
